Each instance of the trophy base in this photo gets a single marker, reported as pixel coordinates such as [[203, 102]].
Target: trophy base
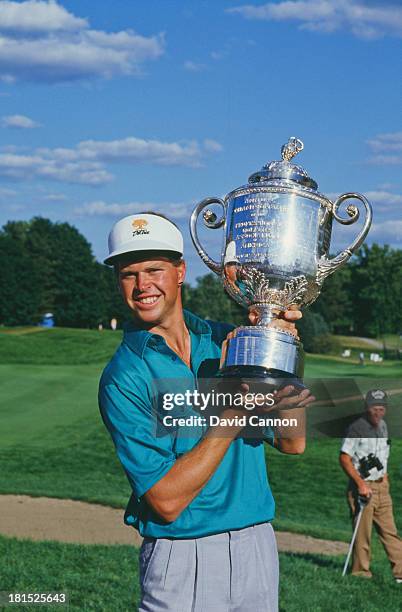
[[273, 378], [257, 349]]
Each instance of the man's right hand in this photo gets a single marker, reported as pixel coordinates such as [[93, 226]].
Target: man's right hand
[[364, 490]]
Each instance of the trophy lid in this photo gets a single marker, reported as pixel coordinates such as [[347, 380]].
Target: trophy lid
[[284, 170]]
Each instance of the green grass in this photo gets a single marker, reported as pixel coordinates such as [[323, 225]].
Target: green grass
[[70, 455], [79, 463], [62, 346], [57, 346], [94, 577], [52, 440], [313, 583], [105, 578], [310, 490], [38, 402], [328, 366], [52, 443]]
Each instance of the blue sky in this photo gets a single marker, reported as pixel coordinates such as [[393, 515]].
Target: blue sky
[[112, 108]]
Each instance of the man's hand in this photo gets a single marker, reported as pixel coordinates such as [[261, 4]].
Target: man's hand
[[287, 398], [285, 320], [290, 401], [363, 487], [364, 490]]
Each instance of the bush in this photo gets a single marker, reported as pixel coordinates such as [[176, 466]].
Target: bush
[[324, 344], [311, 327]]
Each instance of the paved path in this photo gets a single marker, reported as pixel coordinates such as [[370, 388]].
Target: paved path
[[65, 520]]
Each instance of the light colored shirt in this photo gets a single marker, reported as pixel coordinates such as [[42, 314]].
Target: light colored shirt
[[361, 440], [238, 493]]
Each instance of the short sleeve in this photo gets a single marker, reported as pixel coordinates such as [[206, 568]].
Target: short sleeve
[[349, 446], [129, 418]]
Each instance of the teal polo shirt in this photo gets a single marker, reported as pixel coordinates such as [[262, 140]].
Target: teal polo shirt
[[238, 493]]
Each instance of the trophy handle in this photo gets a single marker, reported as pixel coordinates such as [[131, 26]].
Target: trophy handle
[[328, 266], [212, 222]]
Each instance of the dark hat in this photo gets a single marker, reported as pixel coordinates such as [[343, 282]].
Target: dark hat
[[376, 397]]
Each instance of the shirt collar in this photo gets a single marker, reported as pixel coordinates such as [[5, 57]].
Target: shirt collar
[[137, 339]]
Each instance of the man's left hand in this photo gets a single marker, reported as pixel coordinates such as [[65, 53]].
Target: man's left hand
[[285, 320], [288, 397]]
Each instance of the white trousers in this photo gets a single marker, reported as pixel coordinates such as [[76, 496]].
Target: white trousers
[[235, 571]]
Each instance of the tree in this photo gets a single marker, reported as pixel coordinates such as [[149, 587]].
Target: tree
[[335, 303], [210, 301], [377, 286], [311, 327], [113, 305], [59, 273], [77, 297], [19, 283]]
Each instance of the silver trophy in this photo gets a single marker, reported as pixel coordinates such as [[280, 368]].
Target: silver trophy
[[277, 233]]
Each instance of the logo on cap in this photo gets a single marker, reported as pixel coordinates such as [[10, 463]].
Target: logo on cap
[[140, 227], [378, 395]]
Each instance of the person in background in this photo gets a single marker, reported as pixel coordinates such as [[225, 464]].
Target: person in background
[[364, 458]]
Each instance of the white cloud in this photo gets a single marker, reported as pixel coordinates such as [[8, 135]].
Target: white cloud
[[362, 19], [19, 122], [101, 208], [55, 197], [387, 148], [37, 16], [386, 160], [217, 55], [384, 201], [389, 231], [384, 197], [41, 41], [193, 66], [386, 142], [138, 150], [381, 199], [212, 145], [85, 164], [27, 167]]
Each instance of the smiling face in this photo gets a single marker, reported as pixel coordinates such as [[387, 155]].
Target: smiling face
[[151, 289], [374, 414]]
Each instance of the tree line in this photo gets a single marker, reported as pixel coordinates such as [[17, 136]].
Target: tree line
[[49, 267]]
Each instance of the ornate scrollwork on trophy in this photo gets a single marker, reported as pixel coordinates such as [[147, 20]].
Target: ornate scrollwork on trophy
[[259, 288], [291, 148], [326, 266], [256, 285]]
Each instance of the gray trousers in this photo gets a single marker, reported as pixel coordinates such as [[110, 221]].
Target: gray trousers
[[235, 571]]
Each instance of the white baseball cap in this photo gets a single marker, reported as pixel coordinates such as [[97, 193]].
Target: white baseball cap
[[143, 232]]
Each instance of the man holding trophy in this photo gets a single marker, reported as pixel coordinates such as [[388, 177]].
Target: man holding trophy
[[203, 503]]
